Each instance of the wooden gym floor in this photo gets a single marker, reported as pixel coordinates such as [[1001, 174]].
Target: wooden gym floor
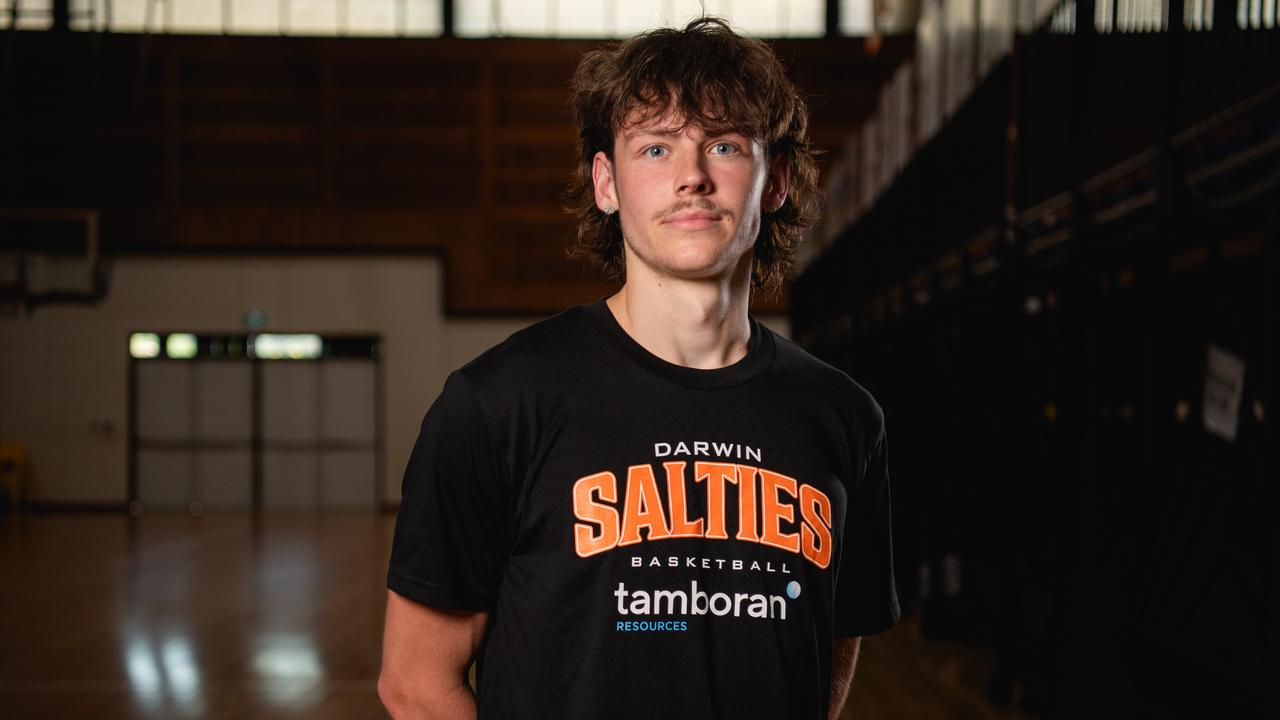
[[231, 615]]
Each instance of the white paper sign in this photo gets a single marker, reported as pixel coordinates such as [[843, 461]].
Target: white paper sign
[[1223, 386]]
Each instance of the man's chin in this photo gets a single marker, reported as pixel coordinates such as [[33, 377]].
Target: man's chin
[[694, 272], [696, 259]]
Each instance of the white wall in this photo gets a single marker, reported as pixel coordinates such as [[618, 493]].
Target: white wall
[[63, 368]]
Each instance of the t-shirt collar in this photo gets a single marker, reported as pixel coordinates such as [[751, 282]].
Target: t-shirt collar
[[759, 355]]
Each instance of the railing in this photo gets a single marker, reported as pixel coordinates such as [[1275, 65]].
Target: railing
[[958, 44]]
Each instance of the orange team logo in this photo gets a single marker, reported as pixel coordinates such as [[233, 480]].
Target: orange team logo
[[762, 509]]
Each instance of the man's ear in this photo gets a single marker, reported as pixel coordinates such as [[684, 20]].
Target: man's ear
[[602, 178], [776, 185]]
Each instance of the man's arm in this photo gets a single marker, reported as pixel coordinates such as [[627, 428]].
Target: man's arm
[[844, 656], [425, 656]]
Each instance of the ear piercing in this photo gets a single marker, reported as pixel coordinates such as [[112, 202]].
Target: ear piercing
[[609, 209]]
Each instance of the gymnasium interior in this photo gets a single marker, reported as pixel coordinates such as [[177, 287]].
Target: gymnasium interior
[[244, 242]]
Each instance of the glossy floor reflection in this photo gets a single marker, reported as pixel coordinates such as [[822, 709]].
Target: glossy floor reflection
[[277, 616], [170, 616]]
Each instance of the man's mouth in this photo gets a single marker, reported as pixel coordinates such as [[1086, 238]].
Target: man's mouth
[[693, 219]]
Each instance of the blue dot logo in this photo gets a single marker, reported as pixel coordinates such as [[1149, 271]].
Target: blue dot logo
[[793, 589]]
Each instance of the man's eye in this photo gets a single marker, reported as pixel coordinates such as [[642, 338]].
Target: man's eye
[[655, 151], [723, 148]]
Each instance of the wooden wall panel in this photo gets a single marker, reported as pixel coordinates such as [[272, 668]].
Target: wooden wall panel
[[269, 144]]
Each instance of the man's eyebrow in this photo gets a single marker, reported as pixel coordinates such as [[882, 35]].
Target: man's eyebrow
[[628, 135], [656, 132]]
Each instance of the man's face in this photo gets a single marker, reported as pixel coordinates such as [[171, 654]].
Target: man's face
[[689, 202]]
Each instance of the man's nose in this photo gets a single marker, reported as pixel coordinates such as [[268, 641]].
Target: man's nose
[[693, 178]]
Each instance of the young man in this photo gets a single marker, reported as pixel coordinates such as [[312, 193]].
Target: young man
[[652, 506]]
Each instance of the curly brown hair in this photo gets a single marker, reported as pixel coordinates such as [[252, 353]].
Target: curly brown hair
[[719, 80]]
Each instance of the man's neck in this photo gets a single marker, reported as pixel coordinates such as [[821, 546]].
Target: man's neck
[[699, 324]]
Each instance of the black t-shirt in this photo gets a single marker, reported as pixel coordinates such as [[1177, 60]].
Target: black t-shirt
[[651, 540]]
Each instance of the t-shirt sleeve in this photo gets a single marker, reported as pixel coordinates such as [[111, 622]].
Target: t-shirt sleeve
[[450, 544], [866, 599]]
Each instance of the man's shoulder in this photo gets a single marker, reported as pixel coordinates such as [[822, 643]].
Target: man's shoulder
[[813, 376], [531, 353]]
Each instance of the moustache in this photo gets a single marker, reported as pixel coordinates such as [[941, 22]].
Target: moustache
[[705, 205]]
